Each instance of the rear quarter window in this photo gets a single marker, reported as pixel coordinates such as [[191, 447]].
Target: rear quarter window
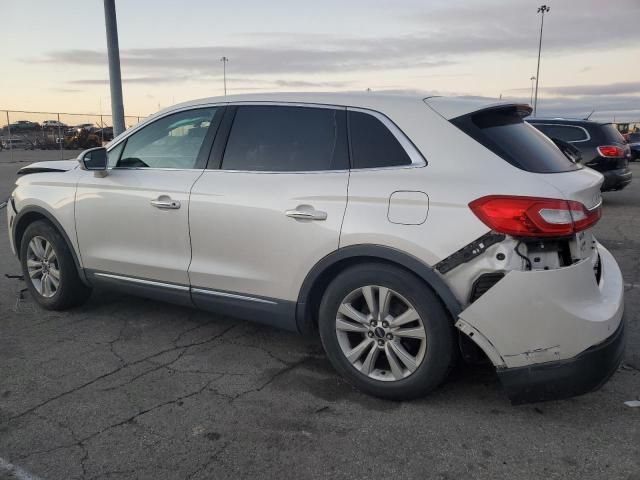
[[505, 133], [566, 133], [611, 134], [372, 144]]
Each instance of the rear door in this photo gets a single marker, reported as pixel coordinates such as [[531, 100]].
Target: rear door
[[268, 208]]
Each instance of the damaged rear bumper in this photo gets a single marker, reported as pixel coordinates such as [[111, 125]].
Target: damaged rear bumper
[[566, 378], [551, 333]]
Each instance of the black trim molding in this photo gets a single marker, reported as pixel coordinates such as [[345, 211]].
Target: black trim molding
[[268, 311], [364, 252], [41, 211]]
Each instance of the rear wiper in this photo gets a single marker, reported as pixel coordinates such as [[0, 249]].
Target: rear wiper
[[571, 152]]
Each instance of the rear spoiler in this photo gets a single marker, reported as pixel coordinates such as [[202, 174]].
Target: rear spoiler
[[451, 108]]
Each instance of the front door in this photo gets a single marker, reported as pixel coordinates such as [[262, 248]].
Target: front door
[[133, 224], [271, 211]]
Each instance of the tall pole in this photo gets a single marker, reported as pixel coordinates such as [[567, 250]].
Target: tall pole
[[532, 79], [115, 80], [224, 61], [542, 9]]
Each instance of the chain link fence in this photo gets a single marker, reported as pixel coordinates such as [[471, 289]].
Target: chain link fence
[[64, 132]]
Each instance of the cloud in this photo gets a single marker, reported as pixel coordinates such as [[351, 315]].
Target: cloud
[[140, 80], [65, 90], [606, 107], [513, 26], [308, 84], [256, 60], [436, 37], [610, 89]]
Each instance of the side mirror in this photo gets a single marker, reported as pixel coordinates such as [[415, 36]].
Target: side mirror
[[95, 159]]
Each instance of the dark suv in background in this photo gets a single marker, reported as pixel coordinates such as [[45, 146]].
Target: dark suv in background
[[602, 147], [634, 145]]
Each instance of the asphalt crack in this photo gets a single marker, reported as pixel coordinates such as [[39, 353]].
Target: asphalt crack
[[113, 372]]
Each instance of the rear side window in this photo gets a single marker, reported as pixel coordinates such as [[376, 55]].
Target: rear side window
[[287, 139], [372, 144], [562, 132], [504, 132], [611, 134]]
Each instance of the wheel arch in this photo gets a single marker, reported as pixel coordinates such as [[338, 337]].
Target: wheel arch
[[30, 214], [327, 268]]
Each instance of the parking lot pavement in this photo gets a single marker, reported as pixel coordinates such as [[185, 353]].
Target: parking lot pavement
[[130, 388]]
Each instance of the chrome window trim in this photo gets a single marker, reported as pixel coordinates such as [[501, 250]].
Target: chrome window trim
[[141, 281], [277, 172], [155, 169], [416, 157], [586, 132], [218, 293], [287, 104]]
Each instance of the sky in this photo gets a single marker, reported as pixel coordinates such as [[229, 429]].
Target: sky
[[54, 53]]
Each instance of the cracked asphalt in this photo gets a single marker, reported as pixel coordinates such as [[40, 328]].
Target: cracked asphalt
[[127, 388]]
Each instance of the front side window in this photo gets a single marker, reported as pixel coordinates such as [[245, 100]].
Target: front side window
[[173, 141], [372, 144], [286, 139]]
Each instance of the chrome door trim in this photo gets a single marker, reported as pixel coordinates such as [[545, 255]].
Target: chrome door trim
[[218, 293], [140, 281]]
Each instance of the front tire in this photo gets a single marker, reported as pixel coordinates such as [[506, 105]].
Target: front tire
[[386, 332], [48, 268]]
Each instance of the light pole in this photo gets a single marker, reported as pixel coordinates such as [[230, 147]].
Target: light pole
[[542, 9], [532, 79], [224, 61], [115, 81]]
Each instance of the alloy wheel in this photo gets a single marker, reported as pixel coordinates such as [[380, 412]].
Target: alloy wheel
[[43, 267], [380, 333]]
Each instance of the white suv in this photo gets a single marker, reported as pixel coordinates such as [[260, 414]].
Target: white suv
[[402, 229]]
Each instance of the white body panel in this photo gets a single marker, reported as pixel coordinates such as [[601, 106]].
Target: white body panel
[[243, 241], [119, 231], [232, 234], [53, 192]]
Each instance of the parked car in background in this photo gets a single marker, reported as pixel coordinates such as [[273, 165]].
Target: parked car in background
[[634, 146], [53, 124], [23, 126], [601, 145], [85, 126], [105, 134], [17, 144], [348, 216]]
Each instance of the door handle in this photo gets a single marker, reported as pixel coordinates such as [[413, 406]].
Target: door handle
[[165, 202], [306, 212]]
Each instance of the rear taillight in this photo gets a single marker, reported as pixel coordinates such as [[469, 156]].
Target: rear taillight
[[534, 217], [611, 151]]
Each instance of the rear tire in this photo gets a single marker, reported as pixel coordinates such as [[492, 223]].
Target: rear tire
[[386, 332], [48, 268]]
